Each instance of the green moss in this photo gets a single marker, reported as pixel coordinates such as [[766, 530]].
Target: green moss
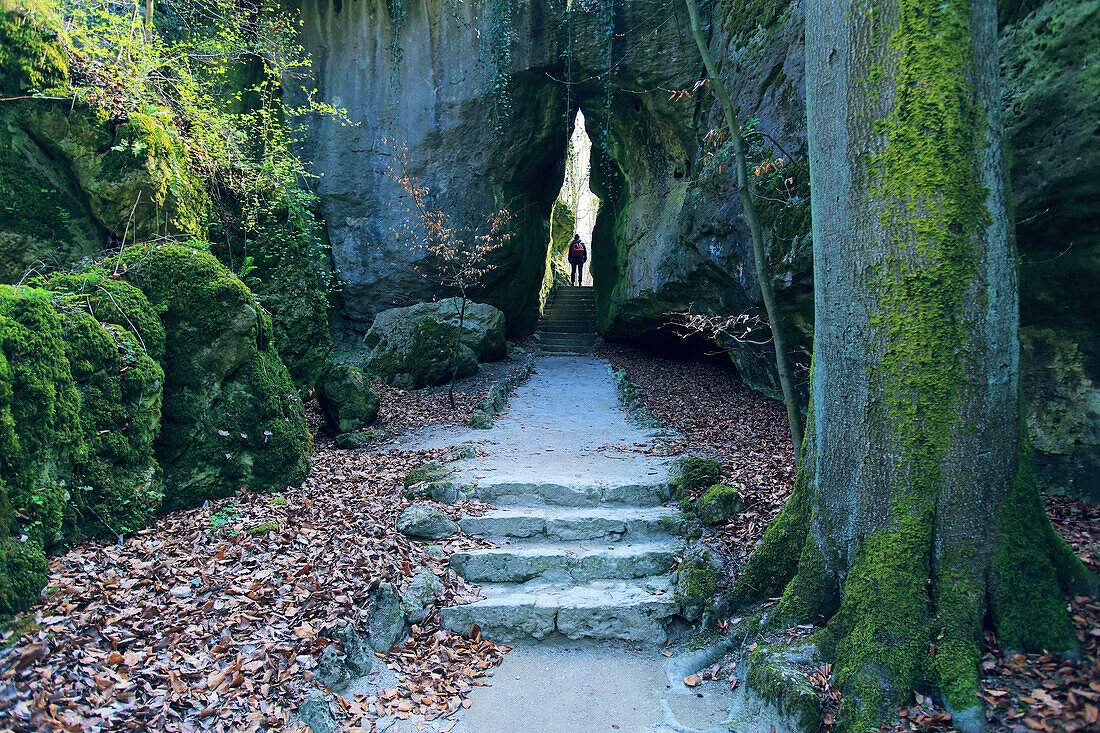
[[231, 415], [39, 433], [347, 398], [22, 574], [812, 592], [778, 674], [692, 473], [120, 387], [31, 56], [262, 529], [697, 581], [1031, 568], [959, 599], [115, 302], [430, 472], [879, 639], [718, 504]]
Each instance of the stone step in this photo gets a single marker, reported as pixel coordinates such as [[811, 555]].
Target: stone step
[[610, 523], [588, 327], [527, 494], [565, 562], [564, 337], [566, 349], [631, 610]]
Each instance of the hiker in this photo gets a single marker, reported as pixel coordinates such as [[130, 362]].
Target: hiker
[[578, 255]]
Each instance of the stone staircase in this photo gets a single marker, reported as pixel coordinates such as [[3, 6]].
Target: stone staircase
[[585, 541], [568, 324], [576, 561]]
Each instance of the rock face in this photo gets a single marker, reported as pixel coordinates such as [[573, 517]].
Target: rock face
[[1049, 60], [670, 234]]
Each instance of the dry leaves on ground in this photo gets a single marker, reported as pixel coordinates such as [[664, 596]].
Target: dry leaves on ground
[[215, 618]]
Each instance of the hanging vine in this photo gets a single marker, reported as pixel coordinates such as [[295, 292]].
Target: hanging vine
[[497, 52], [398, 15]]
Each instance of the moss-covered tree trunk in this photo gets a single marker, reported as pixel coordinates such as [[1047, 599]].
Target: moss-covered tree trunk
[[916, 520]]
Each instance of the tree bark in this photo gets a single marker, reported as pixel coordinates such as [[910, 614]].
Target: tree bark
[[916, 519], [756, 230]]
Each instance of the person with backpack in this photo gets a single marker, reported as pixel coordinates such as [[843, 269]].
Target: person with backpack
[[578, 255]]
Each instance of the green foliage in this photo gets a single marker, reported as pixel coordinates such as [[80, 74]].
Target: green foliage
[[31, 59]]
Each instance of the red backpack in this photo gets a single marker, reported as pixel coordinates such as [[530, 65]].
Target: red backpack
[[577, 250]]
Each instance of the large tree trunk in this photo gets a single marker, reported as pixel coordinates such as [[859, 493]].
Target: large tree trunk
[[916, 519]]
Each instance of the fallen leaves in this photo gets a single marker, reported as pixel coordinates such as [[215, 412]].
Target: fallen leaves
[[195, 624]]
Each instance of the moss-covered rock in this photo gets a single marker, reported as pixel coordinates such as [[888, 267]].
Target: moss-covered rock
[[718, 504], [40, 438], [692, 473], [432, 480], [272, 240], [1063, 411], [347, 398], [117, 479], [482, 325], [696, 581], [31, 56], [134, 174], [777, 691], [231, 416], [413, 353]]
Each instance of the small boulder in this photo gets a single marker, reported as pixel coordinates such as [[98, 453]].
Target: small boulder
[[696, 581], [356, 657], [331, 670], [424, 588], [386, 619], [482, 324], [411, 353], [347, 398], [425, 522], [718, 504], [316, 712], [692, 473], [344, 659]]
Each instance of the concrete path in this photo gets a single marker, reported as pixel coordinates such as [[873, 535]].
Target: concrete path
[[586, 546]]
